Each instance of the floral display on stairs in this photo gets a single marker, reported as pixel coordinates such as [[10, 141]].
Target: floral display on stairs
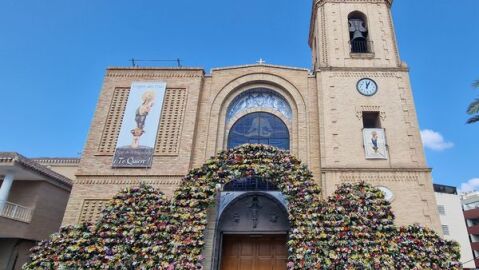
[[142, 229]]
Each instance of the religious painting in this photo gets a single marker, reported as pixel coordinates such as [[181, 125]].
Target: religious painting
[[137, 138], [375, 143]]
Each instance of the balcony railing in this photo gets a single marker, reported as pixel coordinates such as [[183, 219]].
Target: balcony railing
[[475, 246], [361, 46], [471, 214], [473, 230], [15, 211]]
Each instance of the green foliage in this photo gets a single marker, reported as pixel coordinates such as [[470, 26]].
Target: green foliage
[[473, 119], [352, 229], [474, 107], [476, 84]]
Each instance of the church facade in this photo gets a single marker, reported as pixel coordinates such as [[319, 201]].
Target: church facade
[[350, 119]]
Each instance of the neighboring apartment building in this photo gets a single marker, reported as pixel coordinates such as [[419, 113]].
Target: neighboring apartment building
[[33, 199], [470, 203], [452, 221]]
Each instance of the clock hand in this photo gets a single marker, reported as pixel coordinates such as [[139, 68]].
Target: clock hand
[[367, 85]]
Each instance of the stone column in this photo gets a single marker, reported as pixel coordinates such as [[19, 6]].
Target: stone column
[[5, 189]]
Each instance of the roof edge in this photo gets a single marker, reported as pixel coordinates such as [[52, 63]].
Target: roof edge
[[260, 65], [38, 168], [157, 68]]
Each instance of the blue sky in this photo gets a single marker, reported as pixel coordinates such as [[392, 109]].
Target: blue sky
[[54, 53]]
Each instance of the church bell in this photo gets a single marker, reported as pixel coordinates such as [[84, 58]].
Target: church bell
[[357, 29]]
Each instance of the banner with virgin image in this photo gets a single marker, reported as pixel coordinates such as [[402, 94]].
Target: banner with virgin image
[[136, 142]]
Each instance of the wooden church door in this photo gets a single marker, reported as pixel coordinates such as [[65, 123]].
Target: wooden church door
[[254, 252]]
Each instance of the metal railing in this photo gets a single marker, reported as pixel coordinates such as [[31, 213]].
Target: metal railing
[[361, 46], [15, 211]]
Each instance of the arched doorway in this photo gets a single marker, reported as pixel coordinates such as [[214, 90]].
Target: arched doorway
[[252, 228], [253, 225]]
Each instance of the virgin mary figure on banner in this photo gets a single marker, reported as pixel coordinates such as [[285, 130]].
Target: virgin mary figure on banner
[[137, 138], [375, 143]]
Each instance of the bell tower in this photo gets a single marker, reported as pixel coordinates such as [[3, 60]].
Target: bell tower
[[353, 33], [367, 118]]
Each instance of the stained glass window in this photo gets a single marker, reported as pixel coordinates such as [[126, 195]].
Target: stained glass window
[[259, 128], [259, 98]]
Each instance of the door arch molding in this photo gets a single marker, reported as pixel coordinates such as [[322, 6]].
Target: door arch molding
[[253, 213]]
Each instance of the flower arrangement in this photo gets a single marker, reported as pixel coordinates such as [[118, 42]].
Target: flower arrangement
[[141, 229]]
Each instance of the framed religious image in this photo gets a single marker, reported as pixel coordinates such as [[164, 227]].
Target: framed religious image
[[375, 143], [137, 138]]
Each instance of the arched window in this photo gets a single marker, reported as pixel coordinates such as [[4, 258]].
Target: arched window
[[358, 33], [259, 128]]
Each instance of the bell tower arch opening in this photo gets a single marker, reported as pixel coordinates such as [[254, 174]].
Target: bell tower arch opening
[[358, 33]]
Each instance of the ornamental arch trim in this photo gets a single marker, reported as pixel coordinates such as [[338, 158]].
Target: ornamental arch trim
[[250, 81], [200, 189], [258, 98], [282, 220]]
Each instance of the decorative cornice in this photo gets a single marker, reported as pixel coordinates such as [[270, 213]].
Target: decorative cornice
[[169, 180], [321, 2], [388, 170], [154, 72], [57, 161], [363, 69], [157, 68], [260, 65]]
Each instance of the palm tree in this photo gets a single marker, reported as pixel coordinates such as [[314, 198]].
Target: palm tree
[[474, 107]]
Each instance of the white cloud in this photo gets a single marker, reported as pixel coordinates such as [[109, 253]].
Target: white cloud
[[434, 140], [470, 185]]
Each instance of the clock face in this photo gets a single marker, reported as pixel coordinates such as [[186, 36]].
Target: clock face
[[367, 87], [388, 194]]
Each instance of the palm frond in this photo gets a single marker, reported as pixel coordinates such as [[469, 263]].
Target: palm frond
[[473, 107], [473, 119], [476, 84]]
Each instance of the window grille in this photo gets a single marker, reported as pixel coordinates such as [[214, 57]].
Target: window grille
[[113, 122], [171, 123], [441, 209], [445, 229], [91, 210], [250, 184]]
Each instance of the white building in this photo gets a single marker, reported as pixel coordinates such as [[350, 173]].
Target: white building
[[470, 204], [452, 220]]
